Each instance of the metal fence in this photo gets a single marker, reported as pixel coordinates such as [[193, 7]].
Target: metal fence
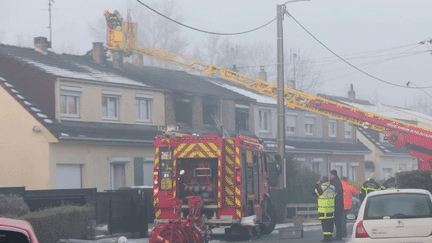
[[127, 212]]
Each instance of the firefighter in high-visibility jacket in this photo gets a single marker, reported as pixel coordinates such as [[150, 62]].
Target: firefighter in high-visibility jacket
[[347, 198], [370, 185], [390, 182], [326, 201]]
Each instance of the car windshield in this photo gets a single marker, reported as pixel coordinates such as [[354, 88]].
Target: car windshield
[[398, 205]]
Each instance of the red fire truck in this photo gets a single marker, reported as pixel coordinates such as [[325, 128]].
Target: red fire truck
[[230, 175]]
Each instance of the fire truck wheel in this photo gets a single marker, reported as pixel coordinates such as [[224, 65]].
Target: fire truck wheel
[[269, 218]]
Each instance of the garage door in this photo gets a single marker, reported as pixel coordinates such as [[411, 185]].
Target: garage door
[[68, 176]]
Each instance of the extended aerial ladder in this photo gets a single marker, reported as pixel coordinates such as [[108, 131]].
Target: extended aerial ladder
[[416, 139]]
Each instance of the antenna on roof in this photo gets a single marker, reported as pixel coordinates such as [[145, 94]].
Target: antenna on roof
[[49, 27]]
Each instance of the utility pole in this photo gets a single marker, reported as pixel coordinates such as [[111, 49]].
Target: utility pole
[[280, 97]]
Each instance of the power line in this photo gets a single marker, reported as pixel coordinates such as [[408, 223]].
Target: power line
[[204, 31], [358, 69]]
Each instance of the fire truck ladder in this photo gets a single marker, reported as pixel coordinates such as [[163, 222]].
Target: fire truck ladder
[[416, 139]]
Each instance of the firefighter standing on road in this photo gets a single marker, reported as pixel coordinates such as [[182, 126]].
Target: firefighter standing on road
[[335, 181], [348, 192], [326, 201], [390, 182], [369, 186]]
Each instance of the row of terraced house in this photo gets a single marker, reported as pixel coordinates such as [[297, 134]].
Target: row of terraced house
[[70, 121]]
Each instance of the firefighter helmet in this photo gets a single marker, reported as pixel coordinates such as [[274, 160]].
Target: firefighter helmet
[[106, 12]]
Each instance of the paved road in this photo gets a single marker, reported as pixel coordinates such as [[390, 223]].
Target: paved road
[[312, 233]]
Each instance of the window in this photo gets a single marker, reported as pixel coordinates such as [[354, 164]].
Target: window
[[264, 116], [340, 167], [398, 205], [291, 124], [111, 105], [143, 107], [332, 128], [348, 130], [402, 167], [118, 172], [70, 101], [209, 110], [309, 125], [183, 111], [352, 172], [315, 167], [242, 117], [143, 171]]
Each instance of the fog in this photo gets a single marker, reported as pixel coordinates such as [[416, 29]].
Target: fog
[[379, 37]]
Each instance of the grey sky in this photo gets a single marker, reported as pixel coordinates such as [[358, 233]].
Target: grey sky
[[345, 26]]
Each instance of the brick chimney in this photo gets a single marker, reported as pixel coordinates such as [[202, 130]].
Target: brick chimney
[[117, 58], [262, 74], [41, 45], [137, 60], [98, 53], [351, 93]]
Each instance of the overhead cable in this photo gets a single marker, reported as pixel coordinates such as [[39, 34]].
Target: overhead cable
[[204, 31], [358, 69]]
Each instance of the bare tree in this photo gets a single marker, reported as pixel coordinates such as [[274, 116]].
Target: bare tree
[[98, 30], [23, 40], [304, 72], [158, 32], [420, 103]]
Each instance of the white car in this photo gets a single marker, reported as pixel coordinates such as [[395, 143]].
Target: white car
[[397, 215]]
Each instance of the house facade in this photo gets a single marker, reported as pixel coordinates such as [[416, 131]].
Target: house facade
[[84, 122], [318, 142]]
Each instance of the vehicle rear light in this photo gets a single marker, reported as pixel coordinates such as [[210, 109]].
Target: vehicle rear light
[[156, 177], [238, 176], [361, 231]]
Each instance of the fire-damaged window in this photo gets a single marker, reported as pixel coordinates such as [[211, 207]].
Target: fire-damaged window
[[210, 109], [183, 111], [242, 117]]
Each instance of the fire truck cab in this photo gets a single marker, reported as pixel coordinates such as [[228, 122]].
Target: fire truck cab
[[229, 174]]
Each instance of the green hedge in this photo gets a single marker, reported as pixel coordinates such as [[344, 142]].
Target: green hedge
[[64, 222], [420, 179]]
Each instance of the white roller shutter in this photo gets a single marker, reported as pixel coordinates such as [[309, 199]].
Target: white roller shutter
[[68, 177]]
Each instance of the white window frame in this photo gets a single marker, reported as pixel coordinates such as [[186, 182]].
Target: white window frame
[[310, 126], [264, 118], [289, 126], [332, 123], [348, 130], [116, 95], [117, 161], [148, 99], [73, 92], [352, 171]]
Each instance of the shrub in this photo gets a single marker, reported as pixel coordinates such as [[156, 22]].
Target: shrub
[[12, 205], [420, 179], [64, 222]]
